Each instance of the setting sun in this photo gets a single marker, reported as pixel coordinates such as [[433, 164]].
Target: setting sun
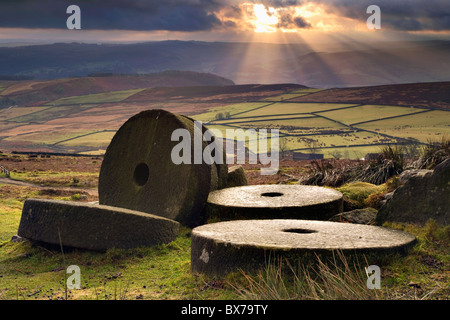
[[266, 20]]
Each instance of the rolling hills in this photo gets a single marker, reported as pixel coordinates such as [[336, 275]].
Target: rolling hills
[[81, 115], [349, 64]]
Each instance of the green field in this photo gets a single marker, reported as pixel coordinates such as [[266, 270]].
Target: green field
[[368, 113], [49, 113], [14, 112], [286, 96], [232, 109], [46, 137], [290, 108], [112, 96], [349, 130], [329, 128], [429, 125], [96, 139]]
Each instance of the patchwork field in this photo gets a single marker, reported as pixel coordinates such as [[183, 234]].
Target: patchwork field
[[86, 123], [343, 130]]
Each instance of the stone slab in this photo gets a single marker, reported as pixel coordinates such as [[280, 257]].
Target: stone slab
[[227, 246], [236, 177], [138, 173], [91, 226], [274, 202]]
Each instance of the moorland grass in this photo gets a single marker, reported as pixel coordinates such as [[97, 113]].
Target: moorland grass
[[35, 271]]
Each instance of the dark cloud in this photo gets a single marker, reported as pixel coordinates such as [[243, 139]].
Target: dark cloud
[[232, 11], [301, 23], [173, 15], [286, 21], [405, 15]]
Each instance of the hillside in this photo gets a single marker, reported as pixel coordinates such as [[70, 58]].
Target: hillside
[[339, 122], [346, 65], [81, 115], [25, 93], [434, 95]]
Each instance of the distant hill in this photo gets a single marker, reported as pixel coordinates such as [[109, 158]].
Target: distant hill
[[39, 92], [435, 95], [354, 64]]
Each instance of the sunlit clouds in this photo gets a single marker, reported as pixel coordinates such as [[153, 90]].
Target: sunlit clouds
[[224, 20]]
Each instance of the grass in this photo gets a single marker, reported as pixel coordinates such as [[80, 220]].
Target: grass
[[367, 113], [281, 108], [429, 125], [356, 194], [162, 272], [111, 96], [57, 179], [233, 109], [96, 139], [420, 275], [335, 279], [47, 137], [434, 152], [49, 113], [9, 113], [286, 96], [33, 271]]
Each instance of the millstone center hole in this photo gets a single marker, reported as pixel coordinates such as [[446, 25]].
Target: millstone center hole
[[141, 174], [299, 230], [271, 194]]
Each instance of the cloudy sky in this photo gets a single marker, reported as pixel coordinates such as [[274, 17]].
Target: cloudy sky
[[224, 20]]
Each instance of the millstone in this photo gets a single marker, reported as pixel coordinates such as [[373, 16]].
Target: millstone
[[274, 202], [227, 246], [219, 171], [138, 173], [91, 226]]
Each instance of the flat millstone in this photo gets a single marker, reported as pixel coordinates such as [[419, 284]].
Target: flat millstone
[[223, 247], [274, 202], [92, 226], [138, 173]]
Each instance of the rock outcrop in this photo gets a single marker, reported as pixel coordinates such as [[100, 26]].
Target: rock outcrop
[[424, 195]]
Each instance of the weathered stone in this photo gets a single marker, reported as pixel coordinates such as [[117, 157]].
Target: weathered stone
[[90, 226], [219, 171], [407, 174], [138, 173], [223, 247], [274, 202], [359, 216], [425, 195], [236, 177]]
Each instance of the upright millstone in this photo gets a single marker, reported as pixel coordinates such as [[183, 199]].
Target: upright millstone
[[138, 171], [274, 202], [219, 170]]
